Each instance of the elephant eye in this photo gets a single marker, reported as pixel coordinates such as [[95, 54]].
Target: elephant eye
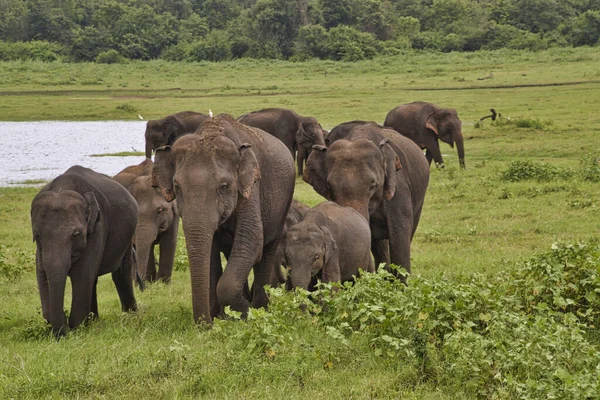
[[315, 257], [224, 186], [160, 210], [76, 233]]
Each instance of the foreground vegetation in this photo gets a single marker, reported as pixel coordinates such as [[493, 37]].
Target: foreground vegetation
[[504, 298]]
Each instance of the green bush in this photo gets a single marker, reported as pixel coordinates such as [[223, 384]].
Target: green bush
[[215, 47], [590, 167], [349, 44], [521, 334], [527, 170], [13, 265], [35, 50], [110, 57]]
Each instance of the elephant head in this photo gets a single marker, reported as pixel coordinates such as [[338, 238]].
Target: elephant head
[[445, 125], [309, 133], [210, 176], [155, 216], [161, 132], [357, 174], [62, 223], [308, 248]]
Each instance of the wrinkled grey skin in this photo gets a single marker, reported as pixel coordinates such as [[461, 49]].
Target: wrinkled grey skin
[[330, 244], [383, 176], [157, 223], [342, 130], [82, 224], [164, 131], [234, 186], [425, 123], [297, 132], [295, 214]]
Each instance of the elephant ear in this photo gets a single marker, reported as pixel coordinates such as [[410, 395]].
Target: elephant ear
[[315, 173], [391, 165], [92, 212], [171, 129], [301, 134], [163, 171], [329, 242], [248, 170], [432, 122]]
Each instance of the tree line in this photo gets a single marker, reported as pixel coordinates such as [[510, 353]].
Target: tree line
[[216, 30]]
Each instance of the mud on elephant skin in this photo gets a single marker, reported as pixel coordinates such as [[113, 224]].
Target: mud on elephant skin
[[157, 223], [424, 123], [330, 244], [233, 185], [164, 131], [82, 224], [299, 133], [383, 176]]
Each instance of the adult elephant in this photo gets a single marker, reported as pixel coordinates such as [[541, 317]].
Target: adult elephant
[[297, 132], [424, 123], [342, 130], [82, 224], [164, 131], [383, 176], [157, 223], [233, 185]]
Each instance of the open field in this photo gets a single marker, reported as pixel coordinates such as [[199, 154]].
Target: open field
[[474, 222]]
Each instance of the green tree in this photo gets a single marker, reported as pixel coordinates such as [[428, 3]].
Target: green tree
[[14, 17], [338, 12]]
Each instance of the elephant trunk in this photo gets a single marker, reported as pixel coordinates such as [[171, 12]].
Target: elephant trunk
[[458, 139], [198, 237], [149, 148], [56, 267], [145, 235], [300, 277]]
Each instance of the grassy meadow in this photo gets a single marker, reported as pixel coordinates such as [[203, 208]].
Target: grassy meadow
[[466, 326]]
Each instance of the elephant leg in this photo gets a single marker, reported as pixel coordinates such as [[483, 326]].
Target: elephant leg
[[429, 156], [83, 279], [94, 307], [151, 268], [216, 270], [168, 247], [123, 282], [264, 271], [400, 228], [381, 251]]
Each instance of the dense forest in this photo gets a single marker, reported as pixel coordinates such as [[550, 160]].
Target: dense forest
[[214, 30]]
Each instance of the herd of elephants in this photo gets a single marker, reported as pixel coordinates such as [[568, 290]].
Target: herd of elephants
[[231, 181]]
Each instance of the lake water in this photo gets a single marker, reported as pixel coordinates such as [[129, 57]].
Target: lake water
[[46, 149]]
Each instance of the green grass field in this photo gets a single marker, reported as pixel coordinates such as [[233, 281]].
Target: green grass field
[[477, 226]]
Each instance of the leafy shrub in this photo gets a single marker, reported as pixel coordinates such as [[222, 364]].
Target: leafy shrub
[[349, 44], [590, 167], [110, 57], [36, 50], [526, 170], [215, 47], [566, 279], [126, 107], [311, 42], [13, 265]]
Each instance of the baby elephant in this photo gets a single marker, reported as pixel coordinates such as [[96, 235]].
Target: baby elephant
[[82, 224], [330, 244], [157, 223]]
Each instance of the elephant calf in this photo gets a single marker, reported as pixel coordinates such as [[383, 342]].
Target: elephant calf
[[157, 223], [82, 224], [295, 214], [331, 243]]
